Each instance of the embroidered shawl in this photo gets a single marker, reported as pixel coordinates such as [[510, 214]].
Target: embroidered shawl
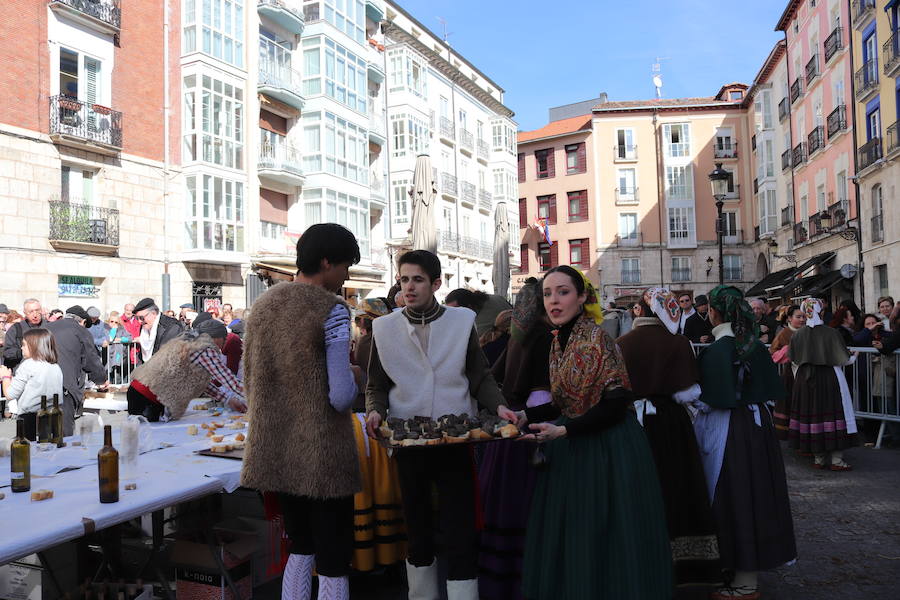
[[590, 364]]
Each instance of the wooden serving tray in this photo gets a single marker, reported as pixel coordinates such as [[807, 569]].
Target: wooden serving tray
[[237, 454], [443, 443]]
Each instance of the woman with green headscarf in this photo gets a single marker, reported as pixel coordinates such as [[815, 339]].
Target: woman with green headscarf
[[740, 452]]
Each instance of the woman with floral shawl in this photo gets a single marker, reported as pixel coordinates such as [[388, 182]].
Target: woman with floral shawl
[[597, 527], [822, 420], [740, 452]]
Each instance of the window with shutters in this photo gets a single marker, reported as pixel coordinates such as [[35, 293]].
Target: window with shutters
[[626, 190], [544, 163], [77, 185], [579, 253], [547, 208], [548, 255], [576, 161], [523, 258], [578, 206], [81, 77], [523, 212], [521, 164]]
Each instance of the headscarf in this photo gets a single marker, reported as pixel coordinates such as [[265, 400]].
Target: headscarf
[[812, 308], [664, 304], [501, 326], [374, 307], [591, 304], [729, 302]]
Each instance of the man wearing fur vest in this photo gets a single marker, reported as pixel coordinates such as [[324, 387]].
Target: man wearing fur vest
[[300, 388], [426, 361], [190, 366]]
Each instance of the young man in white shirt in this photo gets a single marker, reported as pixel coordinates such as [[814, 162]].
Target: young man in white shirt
[[431, 365]]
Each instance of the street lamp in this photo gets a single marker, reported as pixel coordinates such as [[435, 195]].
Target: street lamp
[[718, 181]]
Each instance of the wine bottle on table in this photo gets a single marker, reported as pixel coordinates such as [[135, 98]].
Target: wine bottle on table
[[44, 423], [108, 468], [20, 459], [56, 423]]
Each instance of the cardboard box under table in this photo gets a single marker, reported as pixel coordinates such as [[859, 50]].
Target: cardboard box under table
[[198, 573]]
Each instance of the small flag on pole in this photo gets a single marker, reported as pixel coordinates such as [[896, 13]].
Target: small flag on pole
[[543, 228]]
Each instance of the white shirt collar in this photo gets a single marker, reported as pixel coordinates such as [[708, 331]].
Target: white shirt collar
[[723, 330], [148, 339]]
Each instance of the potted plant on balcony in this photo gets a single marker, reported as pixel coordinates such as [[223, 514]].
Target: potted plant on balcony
[[101, 110], [68, 103]]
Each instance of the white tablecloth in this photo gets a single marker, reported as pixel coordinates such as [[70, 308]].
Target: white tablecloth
[[167, 475]]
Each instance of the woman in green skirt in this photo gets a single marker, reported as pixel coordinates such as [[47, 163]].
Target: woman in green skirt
[[597, 526]]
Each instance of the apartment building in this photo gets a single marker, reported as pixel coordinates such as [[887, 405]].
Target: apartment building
[[876, 33], [812, 85], [88, 151], [656, 218], [440, 104], [556, 188]]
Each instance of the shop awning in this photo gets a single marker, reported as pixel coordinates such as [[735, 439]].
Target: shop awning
[[817, 285], [794, 282], [771, 282]]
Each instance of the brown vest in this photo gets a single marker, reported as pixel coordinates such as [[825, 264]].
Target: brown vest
[[297, 443], [172, 377]]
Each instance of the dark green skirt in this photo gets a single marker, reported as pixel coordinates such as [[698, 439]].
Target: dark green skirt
[[597, 527]]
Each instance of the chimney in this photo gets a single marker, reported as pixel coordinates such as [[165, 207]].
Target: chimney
[[603, 98]]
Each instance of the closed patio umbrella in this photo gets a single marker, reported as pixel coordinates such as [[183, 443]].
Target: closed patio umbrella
[[424, 234], [501, 250]]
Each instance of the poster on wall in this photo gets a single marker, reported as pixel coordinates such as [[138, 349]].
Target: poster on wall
[[212, 305]]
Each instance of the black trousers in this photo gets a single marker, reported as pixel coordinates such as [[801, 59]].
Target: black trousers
[[451, 470], [323, 528], [138, 404]]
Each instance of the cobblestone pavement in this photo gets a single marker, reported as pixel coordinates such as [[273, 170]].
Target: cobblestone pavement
[[847, 527]]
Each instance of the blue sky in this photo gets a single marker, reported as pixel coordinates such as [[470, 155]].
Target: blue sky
[[551, 53]]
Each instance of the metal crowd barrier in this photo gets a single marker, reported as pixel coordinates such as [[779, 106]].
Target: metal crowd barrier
[[121, 360], [873, 384]]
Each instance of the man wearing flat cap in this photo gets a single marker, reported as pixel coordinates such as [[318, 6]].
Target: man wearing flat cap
[[168, 382], [156, 328], [76, 356], [697, 328]]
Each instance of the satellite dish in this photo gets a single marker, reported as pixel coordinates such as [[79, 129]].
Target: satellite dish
[[848, 271], [657, 81]]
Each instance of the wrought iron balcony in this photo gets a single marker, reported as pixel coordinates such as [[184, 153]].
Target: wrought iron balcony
[[447, 130], [733, 273], [78, 123], [681, 274], [870, 153], [281, 163], [834, 42], [625, 152], [484, 152], [800, 233], [816, 139], [733, 237], [485, 201], [787, 215], [893, 138], [786, 160], [448, 184], [784, 110], [837, 121], [466, 141], [105, 15], [815, 226], [448, 241], [629, 240], [73, 223], [799, 155], [890, 54], [282, 83], [469, 193], [861, 10], [878, 228], [866, 79], [627, 195], [812, 69], [796, 90], [838, 212], [727, 149]]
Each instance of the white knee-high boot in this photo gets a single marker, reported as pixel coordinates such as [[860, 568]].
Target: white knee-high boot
[[297, 581], [334, 588], [423, 582], [466, 589]]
